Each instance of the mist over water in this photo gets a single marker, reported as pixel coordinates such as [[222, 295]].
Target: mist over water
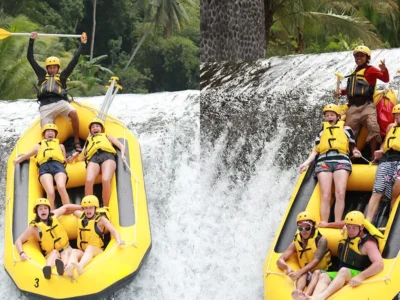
[[167, 127], [258, 124]]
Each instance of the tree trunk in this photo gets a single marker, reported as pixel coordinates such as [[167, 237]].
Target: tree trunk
[[269, 9], [168, 30], [93, 29], [300, 40], [138, 45]]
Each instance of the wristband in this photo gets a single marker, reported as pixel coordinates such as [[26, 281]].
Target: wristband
[[21, 253]]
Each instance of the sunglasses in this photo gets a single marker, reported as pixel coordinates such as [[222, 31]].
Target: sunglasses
[[308, 228]]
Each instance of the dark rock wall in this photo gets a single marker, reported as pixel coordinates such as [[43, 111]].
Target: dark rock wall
[[231, 30]]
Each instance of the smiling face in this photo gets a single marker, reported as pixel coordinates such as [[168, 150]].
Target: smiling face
[[331, 117], [397, 118], [43, 211], [52, 69], [49, 134], [360, 58], [305, 228], [90, 211], [96, 128]]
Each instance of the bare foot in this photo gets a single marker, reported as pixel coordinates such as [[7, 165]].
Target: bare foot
[[69, 270], [295, 294], [78, 268], [323, 224], [303, 296]]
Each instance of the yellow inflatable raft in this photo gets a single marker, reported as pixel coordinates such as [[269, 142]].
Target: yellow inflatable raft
[[306, 196], [128, 213]]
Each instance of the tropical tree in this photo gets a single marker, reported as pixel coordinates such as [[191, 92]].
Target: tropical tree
[[293, 20], [93, 29], [167, 13], [88, 77]]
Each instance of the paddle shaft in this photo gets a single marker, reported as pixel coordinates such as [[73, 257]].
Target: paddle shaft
[[337, 90], [45, 34]]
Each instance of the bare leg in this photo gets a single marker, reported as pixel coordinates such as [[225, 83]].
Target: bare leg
[[301, 282], [340, 280], [325, 184], [92, 171], [74, 257], [90, 252], [340, 178], [60, 179], [323, 281], [313, 282], [47, 183], [75, 124], [395, 192], [107, 171], [51, 258], [373, 205]]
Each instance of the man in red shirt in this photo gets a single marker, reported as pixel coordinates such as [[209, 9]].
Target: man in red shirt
[[360, 92]]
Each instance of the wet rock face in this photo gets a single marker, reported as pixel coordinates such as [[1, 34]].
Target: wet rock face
[[232, 30]]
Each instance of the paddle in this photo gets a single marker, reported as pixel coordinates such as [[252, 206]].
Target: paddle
[[5, 34], [339, 77], [398, 89]]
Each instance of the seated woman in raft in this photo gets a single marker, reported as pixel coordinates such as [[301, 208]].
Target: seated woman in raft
[[100, 157], [333, 144], [51, 235], [50, 157], [92, 226]]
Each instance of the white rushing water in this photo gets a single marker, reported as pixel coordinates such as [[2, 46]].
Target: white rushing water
[[218, 173]]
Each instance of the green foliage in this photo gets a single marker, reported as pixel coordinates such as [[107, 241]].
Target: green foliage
[[309, 26], [87, 77], [118, 30], [174, 63], [15, 70]]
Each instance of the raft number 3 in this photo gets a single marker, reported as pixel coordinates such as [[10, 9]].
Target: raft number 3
[[36, 285]]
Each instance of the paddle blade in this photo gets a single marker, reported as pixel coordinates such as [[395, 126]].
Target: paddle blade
[[4, 34]]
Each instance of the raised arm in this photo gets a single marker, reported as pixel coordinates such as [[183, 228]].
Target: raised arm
[[39, 71], [74, 61]]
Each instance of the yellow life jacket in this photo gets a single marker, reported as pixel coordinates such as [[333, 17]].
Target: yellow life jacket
[[349, 251], [89, 233], [98, 142], [49, 150], [392, 140], [357, 86], [333, 137], [52, 85], [52, 236], [306, 255]]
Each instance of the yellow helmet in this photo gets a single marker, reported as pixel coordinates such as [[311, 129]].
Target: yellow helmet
[[52, 60], [305, 216], [396, 109], [362, 49], [97, 121], [89, 201], [354, 217], [49, 126], [41, 201], [332, 107]]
